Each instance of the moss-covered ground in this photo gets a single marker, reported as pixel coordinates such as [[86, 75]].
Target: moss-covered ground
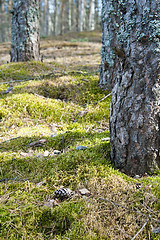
[[55, 105]]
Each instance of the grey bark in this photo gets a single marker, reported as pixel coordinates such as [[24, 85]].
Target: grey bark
[[48, 18], [92, 15], [25, 31], [130, 68], [81, 15], [69, 15], [62, 17]]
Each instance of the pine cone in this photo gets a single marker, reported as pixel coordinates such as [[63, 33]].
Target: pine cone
[[63, 193]]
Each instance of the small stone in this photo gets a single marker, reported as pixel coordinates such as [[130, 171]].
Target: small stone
[[81, 148], [52, 203], [56, 152], [84, 191], [9, 89], [137, 176], [38, 143], [46, 154], [105, 139]]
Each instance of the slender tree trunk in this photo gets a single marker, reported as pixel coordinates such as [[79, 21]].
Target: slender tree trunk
[[2, 21], [84, 16], [130, 67], [81, 15], [25, 31], [55, 16], [62, 17], [69, 15], [43, 7], [92, 15], [77, 15], [48, 16]]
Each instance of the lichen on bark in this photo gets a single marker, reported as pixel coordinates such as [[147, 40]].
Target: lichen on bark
[[130, 69]]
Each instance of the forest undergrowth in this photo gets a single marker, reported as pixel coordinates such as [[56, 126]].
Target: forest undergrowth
[[54, 133]]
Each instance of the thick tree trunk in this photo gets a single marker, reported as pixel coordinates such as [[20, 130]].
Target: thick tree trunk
[[25, 31], [130, 67]]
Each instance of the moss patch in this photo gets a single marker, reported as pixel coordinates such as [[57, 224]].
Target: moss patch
[[56, 105]]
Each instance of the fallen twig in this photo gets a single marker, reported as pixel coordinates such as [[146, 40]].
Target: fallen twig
[[141, 229], [9, 140], [99, 100]]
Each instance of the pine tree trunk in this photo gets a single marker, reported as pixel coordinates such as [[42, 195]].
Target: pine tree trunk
[[130, 68], [92, 15], [2, 21], [25, 30], [48, 16], [62, 17], [55, 17], [81, 15], [69, 15], [77, 15]]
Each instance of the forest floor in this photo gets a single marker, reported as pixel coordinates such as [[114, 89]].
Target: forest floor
[[54, 133]]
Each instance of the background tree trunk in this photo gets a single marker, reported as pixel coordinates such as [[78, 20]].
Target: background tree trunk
[[92, 15], [69, 15], [81, 15], [130, 67], [49, 23], [25, 30]]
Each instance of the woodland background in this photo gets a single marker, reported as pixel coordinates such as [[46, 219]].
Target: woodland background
[[57, 17]]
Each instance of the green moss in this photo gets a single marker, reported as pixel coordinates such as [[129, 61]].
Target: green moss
[[67, 112]]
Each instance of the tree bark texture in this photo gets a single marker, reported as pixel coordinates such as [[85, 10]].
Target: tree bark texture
[[130, 60], [25, 31]]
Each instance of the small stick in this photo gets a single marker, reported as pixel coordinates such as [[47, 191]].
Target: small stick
[[9, 140], [141, 229]]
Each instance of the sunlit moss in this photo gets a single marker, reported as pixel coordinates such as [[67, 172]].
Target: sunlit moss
[[66, 111]]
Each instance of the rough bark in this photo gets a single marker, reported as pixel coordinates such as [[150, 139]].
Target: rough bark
[[25, 31], [130, 68]]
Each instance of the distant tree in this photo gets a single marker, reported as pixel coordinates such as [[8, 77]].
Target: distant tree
[[92, 15], [25, 42], [49, 26], [130, 68]]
